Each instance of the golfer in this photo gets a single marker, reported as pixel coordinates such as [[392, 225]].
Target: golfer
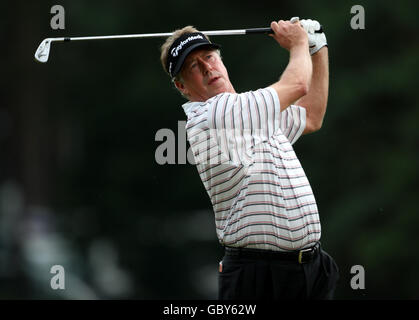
[[266, 215]]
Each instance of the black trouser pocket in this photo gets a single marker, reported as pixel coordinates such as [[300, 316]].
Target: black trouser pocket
[[229, 279], [329, 277]]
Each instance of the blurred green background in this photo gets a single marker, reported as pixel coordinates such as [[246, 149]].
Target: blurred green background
[[80, 186]]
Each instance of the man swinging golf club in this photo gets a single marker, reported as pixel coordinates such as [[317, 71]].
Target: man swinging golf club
[[265, 212]]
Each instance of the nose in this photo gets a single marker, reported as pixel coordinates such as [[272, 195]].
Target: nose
[[205, 66]]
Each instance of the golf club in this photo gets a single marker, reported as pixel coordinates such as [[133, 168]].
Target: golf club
[[43, 51]]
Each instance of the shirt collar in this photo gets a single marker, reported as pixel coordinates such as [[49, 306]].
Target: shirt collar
[[190, 106], [193, 105]]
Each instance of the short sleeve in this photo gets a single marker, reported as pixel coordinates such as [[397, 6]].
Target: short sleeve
[[241, 121]]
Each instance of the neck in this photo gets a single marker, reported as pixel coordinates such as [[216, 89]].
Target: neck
[[229, 89]]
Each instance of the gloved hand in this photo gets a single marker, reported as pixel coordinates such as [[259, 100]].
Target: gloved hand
[[316, 41]]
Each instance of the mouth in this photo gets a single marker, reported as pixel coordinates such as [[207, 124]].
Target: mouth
[[213, 80]]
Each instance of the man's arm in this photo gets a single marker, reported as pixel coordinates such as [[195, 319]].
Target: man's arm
[[295, 80], [315, 101]]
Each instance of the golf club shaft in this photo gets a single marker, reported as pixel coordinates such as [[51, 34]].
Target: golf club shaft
[[168, 34], [165, 35]]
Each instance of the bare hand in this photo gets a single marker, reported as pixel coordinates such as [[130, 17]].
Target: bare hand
[[288, 35]]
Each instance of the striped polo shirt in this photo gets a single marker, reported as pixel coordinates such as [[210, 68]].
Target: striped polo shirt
[[242, 147]]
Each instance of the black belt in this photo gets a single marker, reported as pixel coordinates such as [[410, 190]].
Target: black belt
[[300, 256]]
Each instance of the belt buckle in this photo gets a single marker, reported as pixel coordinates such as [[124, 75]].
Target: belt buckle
[[300, 254]]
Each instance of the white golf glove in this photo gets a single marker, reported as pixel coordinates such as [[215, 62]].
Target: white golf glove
[[316, 41]]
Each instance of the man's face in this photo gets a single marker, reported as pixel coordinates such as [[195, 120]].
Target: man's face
[[204, 76]]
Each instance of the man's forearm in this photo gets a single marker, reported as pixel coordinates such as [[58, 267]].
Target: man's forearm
[[295, 80], [299, 69], [315, 101]]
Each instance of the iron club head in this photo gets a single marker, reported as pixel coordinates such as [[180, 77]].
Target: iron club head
[[42, 53]]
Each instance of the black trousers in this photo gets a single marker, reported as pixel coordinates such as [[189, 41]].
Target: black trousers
[[273, 279]]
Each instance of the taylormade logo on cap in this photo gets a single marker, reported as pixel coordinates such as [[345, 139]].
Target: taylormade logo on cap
[[175, 51]]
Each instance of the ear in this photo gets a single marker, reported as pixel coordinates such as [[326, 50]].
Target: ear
[[181, 87]]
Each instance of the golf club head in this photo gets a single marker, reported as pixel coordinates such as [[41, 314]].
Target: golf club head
[[42, 53]]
